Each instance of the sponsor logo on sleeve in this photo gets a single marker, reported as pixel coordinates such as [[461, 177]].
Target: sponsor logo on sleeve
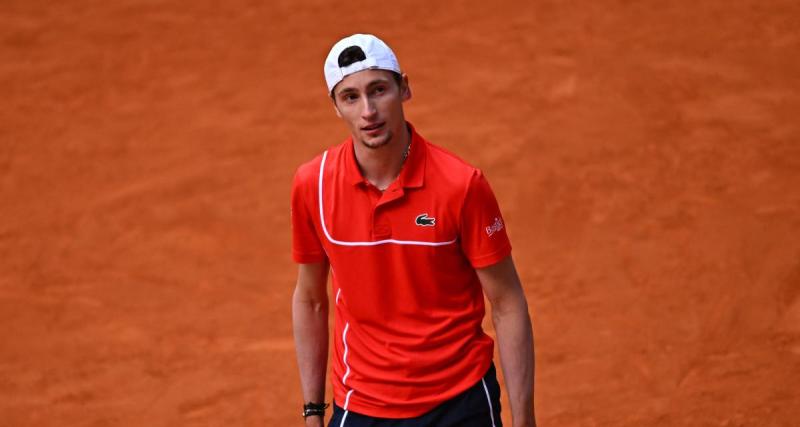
[[495, 227]]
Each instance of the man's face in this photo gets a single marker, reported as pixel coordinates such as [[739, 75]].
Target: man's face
[[371, 104]]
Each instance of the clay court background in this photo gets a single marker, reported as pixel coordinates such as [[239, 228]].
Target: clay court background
[[646, 156]]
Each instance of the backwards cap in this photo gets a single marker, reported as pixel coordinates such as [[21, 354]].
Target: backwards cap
[[376, 54]]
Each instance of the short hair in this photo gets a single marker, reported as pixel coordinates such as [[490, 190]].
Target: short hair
[[354, 54]]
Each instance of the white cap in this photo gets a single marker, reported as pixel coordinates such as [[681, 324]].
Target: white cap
[[377, 55]]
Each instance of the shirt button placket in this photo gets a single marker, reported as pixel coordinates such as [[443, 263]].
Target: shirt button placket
[[381, 228]]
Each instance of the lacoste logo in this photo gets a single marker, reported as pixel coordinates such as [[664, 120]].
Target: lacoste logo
[[423, 220], [494, 228]]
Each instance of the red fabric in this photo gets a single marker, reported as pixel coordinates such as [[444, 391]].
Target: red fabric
[[412, 313]]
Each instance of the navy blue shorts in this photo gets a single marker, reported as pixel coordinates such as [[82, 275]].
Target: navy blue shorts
[[478, 406]]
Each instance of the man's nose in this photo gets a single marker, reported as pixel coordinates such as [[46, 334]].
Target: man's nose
[[368, 110]]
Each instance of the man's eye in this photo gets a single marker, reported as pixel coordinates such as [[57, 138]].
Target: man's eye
[[350, 97]]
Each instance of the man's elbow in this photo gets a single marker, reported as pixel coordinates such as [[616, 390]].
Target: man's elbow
[[315, 301], [511, 303]]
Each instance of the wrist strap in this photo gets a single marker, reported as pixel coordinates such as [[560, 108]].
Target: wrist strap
[[312, 409]]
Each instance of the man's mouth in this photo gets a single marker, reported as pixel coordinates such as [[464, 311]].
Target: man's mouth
[[372, 127]]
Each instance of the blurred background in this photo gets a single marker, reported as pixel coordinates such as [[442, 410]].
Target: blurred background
[[646, 156]]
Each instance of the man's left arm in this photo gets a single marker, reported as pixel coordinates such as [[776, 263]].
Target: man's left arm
[[512, 325]]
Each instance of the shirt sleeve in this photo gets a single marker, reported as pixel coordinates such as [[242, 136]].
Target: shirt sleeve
[[306, 246], [483, 231]]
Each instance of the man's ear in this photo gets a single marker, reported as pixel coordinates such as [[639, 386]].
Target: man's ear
[[405, 89], [336, 108]]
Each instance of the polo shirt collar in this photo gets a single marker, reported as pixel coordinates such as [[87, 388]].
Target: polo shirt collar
[[412, 175]]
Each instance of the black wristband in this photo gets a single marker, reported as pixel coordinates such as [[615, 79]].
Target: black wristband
[[311, 409]]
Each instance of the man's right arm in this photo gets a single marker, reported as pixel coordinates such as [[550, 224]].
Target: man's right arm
[[310, 326]]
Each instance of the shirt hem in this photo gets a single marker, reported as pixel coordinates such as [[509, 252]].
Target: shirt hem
[[491, 258], [308, 258], [411, 411]]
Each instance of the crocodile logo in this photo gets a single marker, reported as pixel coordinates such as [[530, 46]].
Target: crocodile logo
[[424, 221]]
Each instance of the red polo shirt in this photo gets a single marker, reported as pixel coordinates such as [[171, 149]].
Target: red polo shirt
[[408, 303]]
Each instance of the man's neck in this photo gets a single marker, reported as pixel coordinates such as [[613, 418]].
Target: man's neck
[[381, 166]]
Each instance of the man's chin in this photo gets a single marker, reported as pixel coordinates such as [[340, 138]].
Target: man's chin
[[377, 142]]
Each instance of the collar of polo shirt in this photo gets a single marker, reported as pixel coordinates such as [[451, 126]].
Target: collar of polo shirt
[[412, 175]]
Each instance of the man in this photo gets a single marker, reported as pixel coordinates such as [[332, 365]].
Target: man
[[413, 238]]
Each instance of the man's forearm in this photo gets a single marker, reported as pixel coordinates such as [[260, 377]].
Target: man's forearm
[[515, 340], [310, 325]]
